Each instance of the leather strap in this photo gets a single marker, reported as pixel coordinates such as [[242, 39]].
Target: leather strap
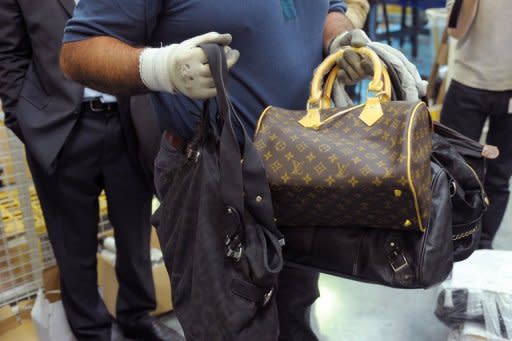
[[250, 291], [243, 185], [243, 179]]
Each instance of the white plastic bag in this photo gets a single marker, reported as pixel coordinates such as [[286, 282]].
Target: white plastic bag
[[50, 320], [478, 297], [471, 331]]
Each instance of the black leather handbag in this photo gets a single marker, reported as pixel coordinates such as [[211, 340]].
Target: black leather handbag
[[395, 258], [221, 248], [406, 259], [462, 159]]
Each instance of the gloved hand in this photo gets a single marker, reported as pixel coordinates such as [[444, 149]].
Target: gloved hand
[[183, 67], [490, 152], [353, 66]]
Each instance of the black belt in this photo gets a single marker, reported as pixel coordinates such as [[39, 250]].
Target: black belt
[[96, 105]]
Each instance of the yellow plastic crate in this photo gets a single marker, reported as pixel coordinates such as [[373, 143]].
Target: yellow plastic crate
[[12, 216]]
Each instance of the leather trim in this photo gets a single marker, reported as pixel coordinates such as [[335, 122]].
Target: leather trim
[[409, 172], [260, 120]]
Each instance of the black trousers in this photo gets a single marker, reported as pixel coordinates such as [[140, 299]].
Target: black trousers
[[94, 158], [297, 288], [466, 109]]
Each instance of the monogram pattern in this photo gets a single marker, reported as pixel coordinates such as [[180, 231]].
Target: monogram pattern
[[347, 173]]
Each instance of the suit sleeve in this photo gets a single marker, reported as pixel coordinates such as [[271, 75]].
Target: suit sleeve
[[15, 56]]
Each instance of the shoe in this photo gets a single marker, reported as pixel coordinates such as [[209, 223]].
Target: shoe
[[150, 329]]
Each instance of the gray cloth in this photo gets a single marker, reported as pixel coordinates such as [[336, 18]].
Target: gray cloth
[[412, 84]]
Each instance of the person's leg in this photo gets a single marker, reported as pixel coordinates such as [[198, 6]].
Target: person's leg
[[129, 208], [465, 109], [499, 170], [298, 290], [69, 199]]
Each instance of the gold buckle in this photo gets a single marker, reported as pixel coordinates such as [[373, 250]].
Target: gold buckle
[[95, 109], [97, 106], [401, 266]]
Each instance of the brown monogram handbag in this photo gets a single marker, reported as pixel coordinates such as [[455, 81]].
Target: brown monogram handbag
[[367, 165]]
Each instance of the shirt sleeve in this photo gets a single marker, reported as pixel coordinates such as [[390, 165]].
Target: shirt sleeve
[[337, 6], [131, 21]]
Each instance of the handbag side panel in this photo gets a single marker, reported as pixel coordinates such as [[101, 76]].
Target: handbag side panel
[[419, 144]]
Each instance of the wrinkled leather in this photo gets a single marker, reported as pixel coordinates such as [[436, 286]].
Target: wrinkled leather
[[462, 159], [363, 253]]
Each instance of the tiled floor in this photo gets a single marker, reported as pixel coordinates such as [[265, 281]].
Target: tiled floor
[[352, 311]]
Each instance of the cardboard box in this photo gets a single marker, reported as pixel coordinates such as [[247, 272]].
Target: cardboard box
[[154, 243], [18, 325], [107, 281], [51, 283], [6, 158]]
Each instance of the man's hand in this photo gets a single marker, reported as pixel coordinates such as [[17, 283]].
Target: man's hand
[[353, 66], [183, 67]]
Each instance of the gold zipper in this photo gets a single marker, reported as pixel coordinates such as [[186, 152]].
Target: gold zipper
[[409, 175], [338, 114], [465, 234], [260, 120], [485, 198]]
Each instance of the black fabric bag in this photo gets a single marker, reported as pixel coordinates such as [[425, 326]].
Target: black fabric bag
[[462, 158], [220, 243], [401, 259]]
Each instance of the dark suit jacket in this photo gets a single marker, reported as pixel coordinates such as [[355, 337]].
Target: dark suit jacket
[[41, 105]]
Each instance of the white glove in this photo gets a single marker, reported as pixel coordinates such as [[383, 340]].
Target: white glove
[[353, 66], [183, 67]]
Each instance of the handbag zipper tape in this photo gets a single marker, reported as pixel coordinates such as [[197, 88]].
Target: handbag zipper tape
[[409, 173]]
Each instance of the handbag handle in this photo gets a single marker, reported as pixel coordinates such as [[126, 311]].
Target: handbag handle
[[234, 190], [331, 79], [372, 111]]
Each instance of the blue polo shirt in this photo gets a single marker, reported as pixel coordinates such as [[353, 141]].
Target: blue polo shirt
[[280, 44]]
